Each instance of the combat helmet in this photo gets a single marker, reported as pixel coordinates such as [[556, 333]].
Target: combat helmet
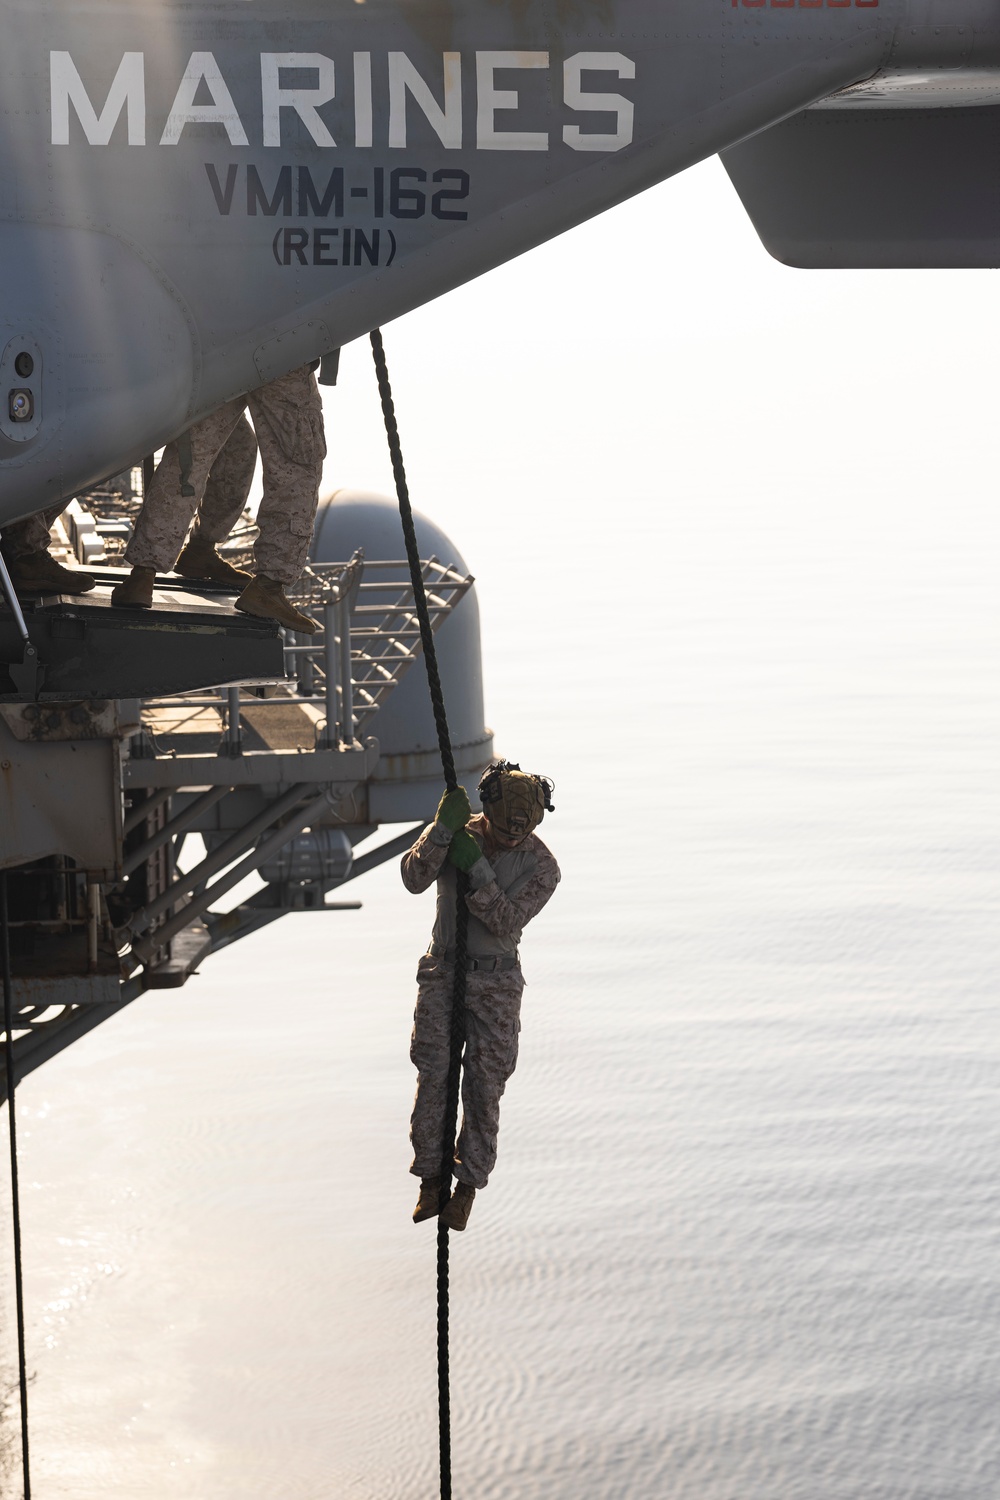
[[514, 801]]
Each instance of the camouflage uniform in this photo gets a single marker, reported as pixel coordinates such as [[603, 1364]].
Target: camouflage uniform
[[507, 891], [228, 486], [226, 494], [30, 535], [288, 420]]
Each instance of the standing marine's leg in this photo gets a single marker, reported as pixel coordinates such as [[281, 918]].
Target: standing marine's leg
[[31, 568], [288, 419], [162, 524], [227, 490], [22, 538]]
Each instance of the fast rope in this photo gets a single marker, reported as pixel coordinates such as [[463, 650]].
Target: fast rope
[[15, 1196], [461, 911]]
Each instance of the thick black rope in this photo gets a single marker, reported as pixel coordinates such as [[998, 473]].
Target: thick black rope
[[15, 1196], [461, 910]]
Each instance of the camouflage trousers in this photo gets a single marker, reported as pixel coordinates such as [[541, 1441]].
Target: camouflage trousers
[[493, 1022], [226, 492], [30, 535], [227, 488], [288, 420]]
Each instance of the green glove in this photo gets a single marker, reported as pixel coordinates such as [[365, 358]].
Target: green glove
[[454, 810], [463, 851]]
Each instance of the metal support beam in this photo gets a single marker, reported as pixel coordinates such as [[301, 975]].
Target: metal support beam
[[267, 768], [330, 612], [93, 924], [234, 737], [346, 684], [180, 824], [13, 603], [221, 857], [143, 949], [136, 815], [230, 927], [388, 850], [25, 675]]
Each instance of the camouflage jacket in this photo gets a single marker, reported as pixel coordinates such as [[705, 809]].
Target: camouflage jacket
[[506, 890]]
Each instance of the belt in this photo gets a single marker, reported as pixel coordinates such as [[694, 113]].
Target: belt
[[494, 964]]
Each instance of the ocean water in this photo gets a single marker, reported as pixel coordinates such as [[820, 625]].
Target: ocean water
[[742, 1241]]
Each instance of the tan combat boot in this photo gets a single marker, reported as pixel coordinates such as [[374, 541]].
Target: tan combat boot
[[200, 560], [456, 1211], [135, 591], [265, 598], [37, 572], [429, 1202]]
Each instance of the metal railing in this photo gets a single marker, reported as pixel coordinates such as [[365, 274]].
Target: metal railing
[[370, 637]]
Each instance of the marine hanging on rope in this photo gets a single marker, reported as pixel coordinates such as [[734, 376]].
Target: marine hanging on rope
[[511, 875]]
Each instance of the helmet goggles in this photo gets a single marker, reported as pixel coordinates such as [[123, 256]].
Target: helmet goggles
[[514, 801]]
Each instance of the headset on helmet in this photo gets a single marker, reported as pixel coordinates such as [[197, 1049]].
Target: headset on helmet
[[513, 800]]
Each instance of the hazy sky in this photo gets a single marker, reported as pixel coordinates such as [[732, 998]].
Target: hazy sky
[[656, 357], [657, 353]]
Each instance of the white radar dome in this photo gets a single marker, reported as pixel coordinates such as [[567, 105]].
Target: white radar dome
[[407, 781]]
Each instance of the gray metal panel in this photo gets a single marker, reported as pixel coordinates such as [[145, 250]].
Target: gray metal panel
[[96, 311], [91, 650], [62, 798], [157, 262], [899, 188], [409, 786], [273, 770]]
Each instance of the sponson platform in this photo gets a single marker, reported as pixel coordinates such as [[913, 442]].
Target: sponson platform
[[174, 780], [192, 638]]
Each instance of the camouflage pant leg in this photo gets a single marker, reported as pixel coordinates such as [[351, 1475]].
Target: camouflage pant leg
[[163, 522], [288, 419], [430, 1051], [31, 535], [493, 1005], [492, 1026], [228, 486]]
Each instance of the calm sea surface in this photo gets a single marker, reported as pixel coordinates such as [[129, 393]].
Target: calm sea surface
[[744, 1236]]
